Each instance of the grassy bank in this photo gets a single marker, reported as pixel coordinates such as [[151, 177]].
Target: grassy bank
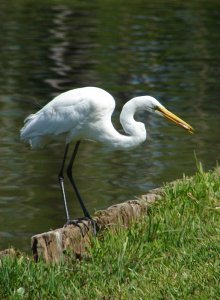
[[173, 253]]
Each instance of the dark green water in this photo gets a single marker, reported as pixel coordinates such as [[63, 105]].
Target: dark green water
[[169, 50]]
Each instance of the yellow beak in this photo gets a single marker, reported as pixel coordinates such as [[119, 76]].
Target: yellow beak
[[171, 117]]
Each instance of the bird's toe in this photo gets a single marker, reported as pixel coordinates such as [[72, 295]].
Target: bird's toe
[[84, 223]]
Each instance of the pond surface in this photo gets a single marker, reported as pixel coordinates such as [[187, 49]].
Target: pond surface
[[167, 50]]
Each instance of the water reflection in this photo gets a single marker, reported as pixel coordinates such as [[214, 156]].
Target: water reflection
[[170, 52], [59, 48]]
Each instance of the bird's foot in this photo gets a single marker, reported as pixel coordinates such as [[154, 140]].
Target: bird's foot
[[85, 221]]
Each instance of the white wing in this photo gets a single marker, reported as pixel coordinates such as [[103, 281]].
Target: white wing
[[69, 113]]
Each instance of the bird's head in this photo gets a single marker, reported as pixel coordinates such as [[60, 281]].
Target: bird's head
[[151, 104]]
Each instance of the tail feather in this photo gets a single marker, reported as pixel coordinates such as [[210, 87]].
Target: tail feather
[[49, 122], [26, 129], [29, 134], [37, 142]]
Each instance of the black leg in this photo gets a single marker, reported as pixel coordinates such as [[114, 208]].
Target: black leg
[[61, 181], [70, 176]]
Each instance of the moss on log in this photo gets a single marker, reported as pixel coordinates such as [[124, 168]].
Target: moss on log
[[52, 245]]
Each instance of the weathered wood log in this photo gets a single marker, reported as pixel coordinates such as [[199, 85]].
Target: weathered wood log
[[51, 246]]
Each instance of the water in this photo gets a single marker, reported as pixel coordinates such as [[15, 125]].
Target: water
[[169, 51]]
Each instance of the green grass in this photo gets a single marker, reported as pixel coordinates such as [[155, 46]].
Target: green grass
[[173, 253]]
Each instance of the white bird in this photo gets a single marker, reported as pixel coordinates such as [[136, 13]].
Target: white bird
[[85, 113]]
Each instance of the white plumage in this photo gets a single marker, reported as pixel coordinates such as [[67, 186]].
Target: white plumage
[[85, 113], [68, 115]]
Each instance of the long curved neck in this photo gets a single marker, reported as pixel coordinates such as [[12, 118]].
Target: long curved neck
[[136, 132]]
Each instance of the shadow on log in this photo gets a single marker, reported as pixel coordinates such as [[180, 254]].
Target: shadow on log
[[51, 246]]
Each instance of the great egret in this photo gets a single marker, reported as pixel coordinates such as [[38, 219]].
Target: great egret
[[85, 113]]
